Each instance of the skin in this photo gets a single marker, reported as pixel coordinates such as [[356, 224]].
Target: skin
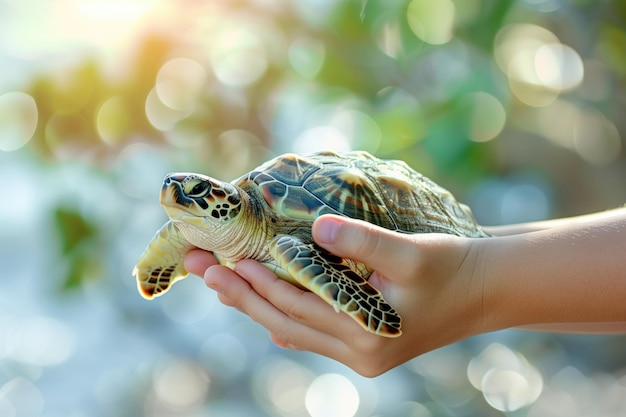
[[567, 275]]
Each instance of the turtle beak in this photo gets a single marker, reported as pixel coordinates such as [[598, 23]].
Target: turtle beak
[[172, 192]]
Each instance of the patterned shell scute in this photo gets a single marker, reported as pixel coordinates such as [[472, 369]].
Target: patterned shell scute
[[359, 185]]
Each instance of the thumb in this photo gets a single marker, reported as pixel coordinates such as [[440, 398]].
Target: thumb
[[364, 242]]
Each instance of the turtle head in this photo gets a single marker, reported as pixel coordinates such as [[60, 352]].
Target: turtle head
[[199, 200]]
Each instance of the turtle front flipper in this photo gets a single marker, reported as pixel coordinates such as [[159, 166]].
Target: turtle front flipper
[[161, 264], [332, 279]]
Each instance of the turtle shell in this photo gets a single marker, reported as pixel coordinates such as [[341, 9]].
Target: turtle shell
[[387, 193]]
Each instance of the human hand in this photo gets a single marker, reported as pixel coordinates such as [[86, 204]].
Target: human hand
[[431, 279]]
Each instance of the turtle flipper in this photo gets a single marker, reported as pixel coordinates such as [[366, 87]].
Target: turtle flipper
[[332, 279], [161, 264]]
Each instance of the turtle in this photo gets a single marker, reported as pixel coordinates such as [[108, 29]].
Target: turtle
[[267, 215]]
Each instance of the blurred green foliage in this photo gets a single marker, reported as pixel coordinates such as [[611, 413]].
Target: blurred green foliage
[[79, 247], [370, 60]]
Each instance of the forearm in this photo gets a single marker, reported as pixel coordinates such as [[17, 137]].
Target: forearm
[[574, 272], [514, 229]]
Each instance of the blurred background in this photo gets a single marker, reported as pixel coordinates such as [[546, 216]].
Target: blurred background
[[517, 106]]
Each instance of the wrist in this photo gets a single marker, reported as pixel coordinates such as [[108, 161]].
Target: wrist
[[494, 293], [474, 289], [506, 295]]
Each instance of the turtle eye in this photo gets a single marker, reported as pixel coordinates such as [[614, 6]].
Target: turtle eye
[[201, 189]]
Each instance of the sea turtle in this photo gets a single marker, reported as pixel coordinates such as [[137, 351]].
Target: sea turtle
[[267, 215]]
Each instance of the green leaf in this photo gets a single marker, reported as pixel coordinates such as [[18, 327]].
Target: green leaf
[[73, 229]]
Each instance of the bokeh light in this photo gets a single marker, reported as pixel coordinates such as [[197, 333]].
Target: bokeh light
[[18, 120], [332, 395], [558, 66], [506, 379], [539, 67], [238, 54], [306, 56], [281, 387], [20, 397], [582, 130], [514, 106], [37, 341], [179, 386], [180, 83], [112, 120], [338, 128], [432, 22], [487, 117], [161, 116]]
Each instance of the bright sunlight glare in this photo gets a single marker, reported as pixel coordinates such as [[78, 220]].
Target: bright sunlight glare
[[61, 26], [118, 10]]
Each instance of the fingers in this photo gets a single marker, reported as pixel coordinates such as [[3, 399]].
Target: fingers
[[294, 318], [253, 285], [281, 343], [302, 306], [197, 261], [375, 246], [299, 319]]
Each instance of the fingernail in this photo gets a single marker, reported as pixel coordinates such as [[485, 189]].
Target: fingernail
[[326, 230], [212, 285]]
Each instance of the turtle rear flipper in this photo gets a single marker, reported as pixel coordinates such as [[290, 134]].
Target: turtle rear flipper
[[161, 264], [331, 278]]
